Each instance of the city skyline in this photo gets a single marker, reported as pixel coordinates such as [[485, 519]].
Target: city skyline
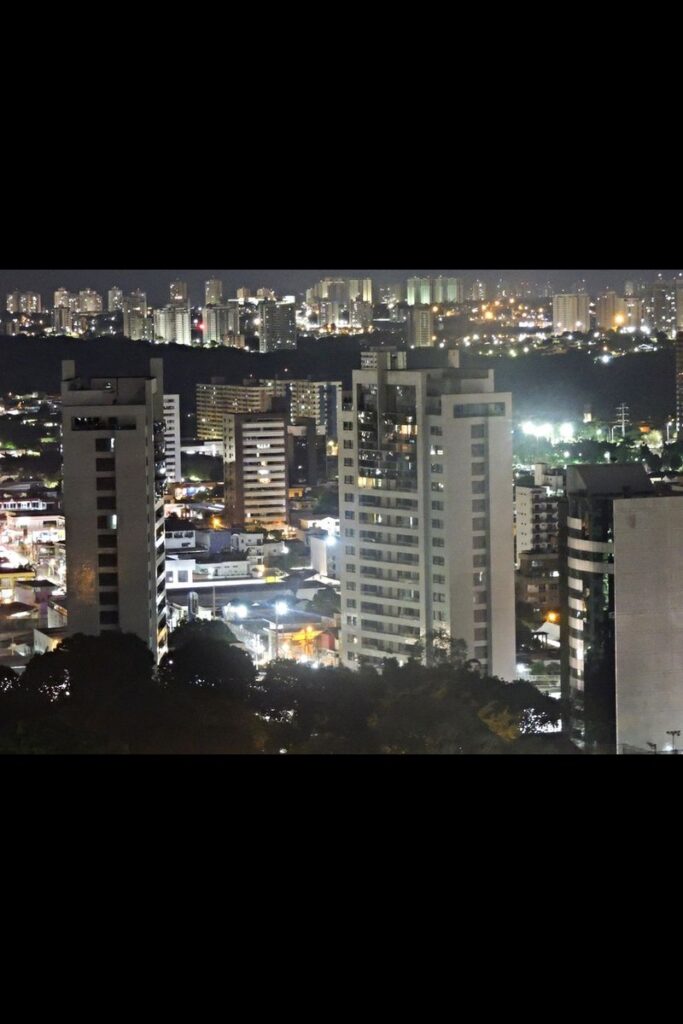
[[156, 282]]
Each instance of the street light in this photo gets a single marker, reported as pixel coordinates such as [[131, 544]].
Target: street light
[[652, 746], [280, 609], [673, 733]]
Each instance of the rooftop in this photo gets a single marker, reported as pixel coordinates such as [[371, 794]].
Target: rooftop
[[609, 480]]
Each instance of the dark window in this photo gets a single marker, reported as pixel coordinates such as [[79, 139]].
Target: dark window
[[106, 561], [103, 503], [105, 465], [106, 483], [104, 444], [109, 579], [106, 540], [479, 409], [109, 597], [479, 431], [109, 618]]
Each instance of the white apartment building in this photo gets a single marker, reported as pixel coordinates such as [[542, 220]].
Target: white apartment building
[[419, 291], [222, 324], [113, 429], [256, 469], [571, 312], [536, 519], [172, 438], [426, 510], [216, 400], [172, 323]]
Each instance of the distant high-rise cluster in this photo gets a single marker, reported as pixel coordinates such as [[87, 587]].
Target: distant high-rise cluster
[[24, 302], [422, 291], [657, 308]]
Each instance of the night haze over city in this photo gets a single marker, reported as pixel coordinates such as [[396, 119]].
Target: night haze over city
[[371, 512]]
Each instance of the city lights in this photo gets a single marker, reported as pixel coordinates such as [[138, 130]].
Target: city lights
[[430, 479]]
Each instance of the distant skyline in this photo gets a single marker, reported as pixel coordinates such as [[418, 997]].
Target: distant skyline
[[155, 282]]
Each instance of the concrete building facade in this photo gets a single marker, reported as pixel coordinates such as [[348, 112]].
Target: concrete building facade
[[571, 312], [586, 547], [113, 477], [426, 512], [172, 438], [256, 479], [648, 597], [536, 519], [217, 399], [277, 326]]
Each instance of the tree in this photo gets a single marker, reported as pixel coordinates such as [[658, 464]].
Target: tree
[[438, 647], [91, 667], [326, 602], [90, 695], [208, 664], [201, 629], [8, 679]]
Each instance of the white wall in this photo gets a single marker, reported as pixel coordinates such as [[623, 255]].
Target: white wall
[[648, 577]]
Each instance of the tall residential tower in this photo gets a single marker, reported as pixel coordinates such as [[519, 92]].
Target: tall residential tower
[[426, 513], [113, 474]]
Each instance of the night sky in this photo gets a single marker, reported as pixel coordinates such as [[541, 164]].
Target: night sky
[[156, 282]]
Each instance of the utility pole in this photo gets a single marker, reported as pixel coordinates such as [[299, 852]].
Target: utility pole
[[622, 418], [673, 733]]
